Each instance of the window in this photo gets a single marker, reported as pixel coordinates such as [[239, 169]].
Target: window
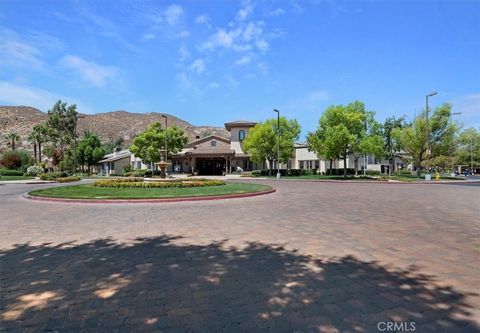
[[241, 135], [213, 143]]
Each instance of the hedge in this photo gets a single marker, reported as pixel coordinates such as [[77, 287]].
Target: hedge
[[134, 183], [283, 172], [372, 172], [68, 179], [10, 172]]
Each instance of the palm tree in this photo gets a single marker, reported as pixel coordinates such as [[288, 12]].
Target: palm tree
[[12, 137], [32, 138], [41, 136]]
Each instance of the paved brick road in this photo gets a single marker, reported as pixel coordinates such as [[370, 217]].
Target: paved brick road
[[313, 257]]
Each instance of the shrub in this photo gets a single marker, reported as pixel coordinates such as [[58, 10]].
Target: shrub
[[372, 172], [68, 179], [16, 159], [339, 172], [151, 173], [34, 170], [9, 172], [139, 173], [51, 176], [284, 172], [139, 183]]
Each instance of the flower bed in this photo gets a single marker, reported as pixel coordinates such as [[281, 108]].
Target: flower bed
[[139, 183]]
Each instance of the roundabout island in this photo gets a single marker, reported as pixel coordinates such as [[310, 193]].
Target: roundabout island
[[139, 190]]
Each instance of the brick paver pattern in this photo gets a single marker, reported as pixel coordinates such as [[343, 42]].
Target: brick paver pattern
[[313, 257]]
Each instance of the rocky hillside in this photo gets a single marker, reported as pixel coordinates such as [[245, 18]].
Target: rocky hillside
[[109, 126]]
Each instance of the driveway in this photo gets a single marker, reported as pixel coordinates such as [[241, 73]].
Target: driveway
[[312, 257]]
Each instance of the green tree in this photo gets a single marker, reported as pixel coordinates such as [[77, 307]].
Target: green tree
[[261, 141], [89, 150], [368, 141], [413, 138], [113, 145], [12, 138], [33, 140], [40, 134], [147, 145], [61, 126], [342, 131], [469, 148], [391, 146]]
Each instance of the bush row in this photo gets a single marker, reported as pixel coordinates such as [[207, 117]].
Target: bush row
[[158, 184], [9, 172], [68, 179], [283, 172], [54, 175]]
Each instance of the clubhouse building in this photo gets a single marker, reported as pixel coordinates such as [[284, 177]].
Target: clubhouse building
[[211, 155], [218, 155]]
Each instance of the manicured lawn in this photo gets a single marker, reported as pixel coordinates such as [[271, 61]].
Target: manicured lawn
[[91, 192], [2, 178]]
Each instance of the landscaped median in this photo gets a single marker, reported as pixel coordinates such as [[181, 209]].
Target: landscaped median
[[138, 190]]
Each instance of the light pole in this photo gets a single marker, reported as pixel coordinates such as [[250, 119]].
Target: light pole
[[452, 173], [428, 176], [278, 142], [75, 142]]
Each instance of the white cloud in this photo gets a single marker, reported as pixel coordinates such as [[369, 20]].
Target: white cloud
[[198, 66], [245, 11], [203, 20], [90, 72], [173, 14], [241, 39], [469, 106], [263, 68], [16, 94], [319, 96], [182, 34], [213, 85], [244, 60], [148, 36], [275, 12], [18, 52], [184, 79], [231, 81], [183, 53]]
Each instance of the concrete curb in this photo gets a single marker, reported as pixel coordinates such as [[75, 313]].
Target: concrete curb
[[159, 200]]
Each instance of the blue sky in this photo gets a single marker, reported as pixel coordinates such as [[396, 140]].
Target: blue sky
[[209, 62]]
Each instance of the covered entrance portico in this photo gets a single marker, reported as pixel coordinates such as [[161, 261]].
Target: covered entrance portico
[[211, 166], [214, 161]]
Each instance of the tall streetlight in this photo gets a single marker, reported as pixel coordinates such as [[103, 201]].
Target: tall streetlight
[[428, 176], [278, 142], [75, 142], [453, 144], [166, 140]]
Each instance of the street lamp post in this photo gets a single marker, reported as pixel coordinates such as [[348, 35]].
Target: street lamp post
[[453, 144], [278, 142], [75, 142], [428, 176]]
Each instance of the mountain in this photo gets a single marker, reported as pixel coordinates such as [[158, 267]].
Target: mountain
[[109, 125]]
